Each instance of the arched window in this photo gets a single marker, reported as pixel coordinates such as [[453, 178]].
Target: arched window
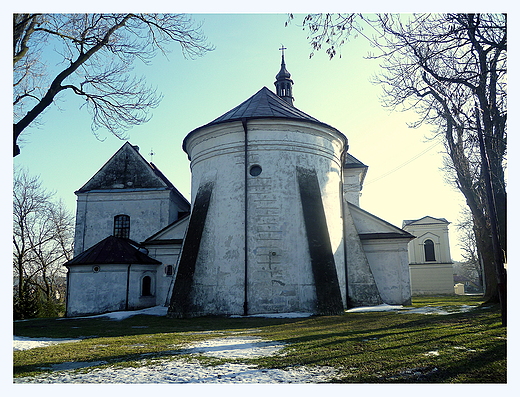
[[429, 251], [122, 226], [169, 270], [146, 288]]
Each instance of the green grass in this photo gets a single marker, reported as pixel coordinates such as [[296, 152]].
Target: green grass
[[373, 347]]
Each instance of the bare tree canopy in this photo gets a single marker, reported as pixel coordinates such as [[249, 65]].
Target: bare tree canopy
[[451, 69], [96, 53], [43, 232]]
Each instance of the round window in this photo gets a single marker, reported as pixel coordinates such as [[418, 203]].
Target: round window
[[95, 269], [255, 170]]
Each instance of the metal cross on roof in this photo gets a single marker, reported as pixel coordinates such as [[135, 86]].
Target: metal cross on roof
[[282, 48]]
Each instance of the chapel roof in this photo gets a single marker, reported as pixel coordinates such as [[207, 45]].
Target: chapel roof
[[112, 250], [425, 220], [352, 162], [265, 104], [371, 227]]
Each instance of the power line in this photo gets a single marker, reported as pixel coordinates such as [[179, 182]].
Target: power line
[[404, 164]]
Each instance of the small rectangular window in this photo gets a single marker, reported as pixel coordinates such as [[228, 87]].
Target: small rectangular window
[[122, 226]]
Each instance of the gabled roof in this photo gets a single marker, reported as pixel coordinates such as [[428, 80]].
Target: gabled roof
[[173, 233], [425, 220], [263, 104], [127, 169], [352, 162], [113, 250], [370, 226]]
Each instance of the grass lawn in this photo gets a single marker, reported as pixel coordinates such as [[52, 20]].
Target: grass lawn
[[370, 347]]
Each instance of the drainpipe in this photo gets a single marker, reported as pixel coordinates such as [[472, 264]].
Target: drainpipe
[[343, 204], [244, 126], [67, 295], [127, 286]]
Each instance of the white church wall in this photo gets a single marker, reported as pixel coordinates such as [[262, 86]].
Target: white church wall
[[149, 212], [168, 255], [96, 289], [352, 185], [279, 270], [218, 278], [388, 259], [137, 299], [432, 279]]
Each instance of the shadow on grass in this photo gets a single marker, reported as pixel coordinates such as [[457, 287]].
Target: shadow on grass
[[135, 325], [380, 347]]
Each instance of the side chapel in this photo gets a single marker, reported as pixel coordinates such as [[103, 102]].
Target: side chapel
[[274, 224]]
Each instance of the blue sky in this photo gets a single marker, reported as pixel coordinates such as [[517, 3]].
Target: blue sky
[[65, 153]]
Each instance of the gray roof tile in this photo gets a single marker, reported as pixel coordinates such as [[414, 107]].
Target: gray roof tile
[[263, 104], [112, 250]]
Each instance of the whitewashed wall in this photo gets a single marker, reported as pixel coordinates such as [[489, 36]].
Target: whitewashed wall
[[149, 211], [432, 279], [105, 290], [279, 270], [388, 260]]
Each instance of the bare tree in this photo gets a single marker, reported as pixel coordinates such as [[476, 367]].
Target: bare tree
[[470, 266], [96, 53], [42, 241], [451, 70]]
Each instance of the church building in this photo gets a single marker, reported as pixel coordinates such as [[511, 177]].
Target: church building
[[274, 224]]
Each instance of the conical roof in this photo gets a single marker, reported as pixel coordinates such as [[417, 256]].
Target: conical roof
[[265, 104]]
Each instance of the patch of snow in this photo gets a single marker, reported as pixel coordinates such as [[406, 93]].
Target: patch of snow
[[188, 371], [184, 371], [24, 343], [433, 353], [121, 315], [232, 347], [378, 308], [439, 310], [277, 315]]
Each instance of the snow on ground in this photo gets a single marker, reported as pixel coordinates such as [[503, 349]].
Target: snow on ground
[[378, 308], [182, 370], [151, 311], [23, 343], [233, 347], [418, 310], [190, 371], [440, 310]]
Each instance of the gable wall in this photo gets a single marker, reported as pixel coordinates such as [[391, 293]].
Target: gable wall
[[438, 233], [149, 211]]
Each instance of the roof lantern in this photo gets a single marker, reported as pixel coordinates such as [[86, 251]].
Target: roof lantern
[[283, 82]]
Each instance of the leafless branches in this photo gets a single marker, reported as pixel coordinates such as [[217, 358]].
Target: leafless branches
[[96, 52], [42, 241], [451, 70]]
